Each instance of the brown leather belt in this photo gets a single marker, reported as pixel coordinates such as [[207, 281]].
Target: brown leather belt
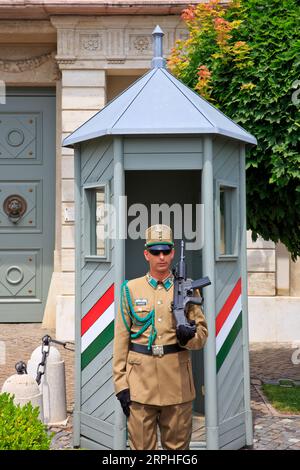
[[156, 349]]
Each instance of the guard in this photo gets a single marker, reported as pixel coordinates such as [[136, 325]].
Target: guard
[[151, 365]]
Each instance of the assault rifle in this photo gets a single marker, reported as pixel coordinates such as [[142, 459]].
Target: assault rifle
[[183, 292]]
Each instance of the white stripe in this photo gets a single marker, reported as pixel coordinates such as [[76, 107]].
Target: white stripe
[[99, 325], [228, 324]]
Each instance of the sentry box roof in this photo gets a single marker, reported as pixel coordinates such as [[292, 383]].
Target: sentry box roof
[[158, 103]]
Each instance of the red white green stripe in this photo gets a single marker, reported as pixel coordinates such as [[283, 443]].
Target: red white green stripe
[[97, 327], [228, 323]]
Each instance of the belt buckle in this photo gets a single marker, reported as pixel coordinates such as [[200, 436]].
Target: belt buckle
[[158, 350]]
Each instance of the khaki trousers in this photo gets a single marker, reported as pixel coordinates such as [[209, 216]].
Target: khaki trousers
[[173, 421]]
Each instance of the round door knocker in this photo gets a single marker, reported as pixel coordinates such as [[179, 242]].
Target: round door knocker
[[14, 207]]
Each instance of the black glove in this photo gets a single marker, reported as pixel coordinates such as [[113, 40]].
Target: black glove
[[185, 333], [124, 397]]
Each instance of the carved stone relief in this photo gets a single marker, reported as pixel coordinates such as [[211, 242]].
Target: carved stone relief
[[90, 43], [140, 43], [28, 64], [17, 66]]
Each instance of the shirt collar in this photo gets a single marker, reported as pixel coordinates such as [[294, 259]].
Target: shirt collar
[[167, 282]]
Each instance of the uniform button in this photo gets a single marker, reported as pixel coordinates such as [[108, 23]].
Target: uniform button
[[159, 287], [159, 319], [159, 336], [159, 302]]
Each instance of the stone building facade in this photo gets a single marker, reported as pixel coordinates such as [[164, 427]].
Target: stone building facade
[[87, 53]]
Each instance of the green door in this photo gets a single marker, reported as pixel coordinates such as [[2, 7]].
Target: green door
[[27, 203]]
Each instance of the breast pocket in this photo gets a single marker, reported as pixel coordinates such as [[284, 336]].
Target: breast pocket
[[142, 311]]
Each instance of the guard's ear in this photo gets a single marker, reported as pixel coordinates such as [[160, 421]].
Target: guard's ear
[[146, 254]]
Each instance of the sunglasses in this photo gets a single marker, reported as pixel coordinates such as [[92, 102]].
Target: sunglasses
[[157, 252]]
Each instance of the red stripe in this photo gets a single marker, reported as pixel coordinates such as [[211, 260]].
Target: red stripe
[[227, 307], [96, 311]]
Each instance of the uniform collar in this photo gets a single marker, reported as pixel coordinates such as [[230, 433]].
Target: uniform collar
[[167, 282]]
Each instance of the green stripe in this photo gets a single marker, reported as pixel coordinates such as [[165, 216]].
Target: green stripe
[[221, 356], [99, 343]]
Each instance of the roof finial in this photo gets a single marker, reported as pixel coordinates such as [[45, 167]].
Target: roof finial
[[158, 61]]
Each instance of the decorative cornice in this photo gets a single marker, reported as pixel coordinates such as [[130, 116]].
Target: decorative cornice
[[22, 65], [37, 9], [111, 45]]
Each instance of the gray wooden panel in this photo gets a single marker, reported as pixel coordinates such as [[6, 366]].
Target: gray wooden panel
[[95, 173], [99, 361], [104, 410], [107, 173], [234, 355], [219, 143], [88, 154], [228, 388], [229, 379], [232, 435], [232, 170], [158, 144], [235, 404], [240, 407], [230, 382], [102, 395], [87, 269], [96, 436], [93, 385], [91, 445], [111, 418], [97, 424], [236, 444], [225, 152], [231, 423], [96, 157], [96, 273], [222, 154], [163, 161], [98, 290]]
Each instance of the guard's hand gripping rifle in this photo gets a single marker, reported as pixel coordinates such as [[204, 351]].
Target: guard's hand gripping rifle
[[183, 294]]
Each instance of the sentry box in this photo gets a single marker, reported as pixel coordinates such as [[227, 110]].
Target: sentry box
[[160, 143]]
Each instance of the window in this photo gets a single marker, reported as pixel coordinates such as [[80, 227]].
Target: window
[[227, 220], [96, 222]]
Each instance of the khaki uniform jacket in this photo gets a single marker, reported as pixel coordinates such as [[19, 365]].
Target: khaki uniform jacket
[[155, 380]]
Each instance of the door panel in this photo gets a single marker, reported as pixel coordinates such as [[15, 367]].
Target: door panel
[[27, 203]]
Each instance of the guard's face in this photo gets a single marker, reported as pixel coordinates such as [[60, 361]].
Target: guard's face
[[161, 262]]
